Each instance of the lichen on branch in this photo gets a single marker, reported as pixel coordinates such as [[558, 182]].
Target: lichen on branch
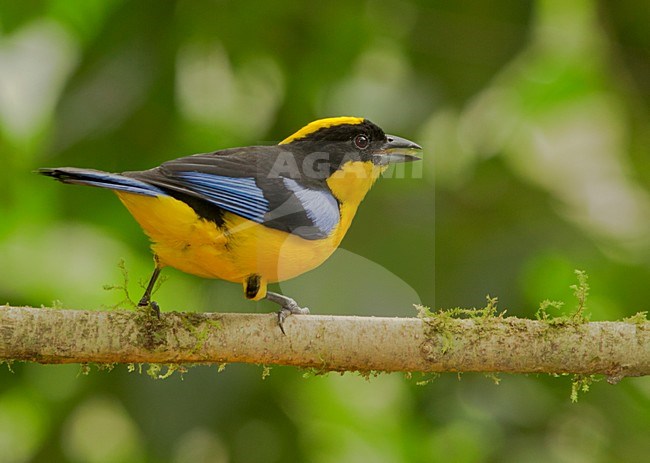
[[444, 341]]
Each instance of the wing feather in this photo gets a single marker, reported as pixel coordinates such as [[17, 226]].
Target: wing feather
[[238, 180]]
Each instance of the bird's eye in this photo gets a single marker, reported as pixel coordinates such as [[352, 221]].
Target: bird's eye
[[361, 141]]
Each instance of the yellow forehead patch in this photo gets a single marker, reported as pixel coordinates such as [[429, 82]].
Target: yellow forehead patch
[[321, 124]]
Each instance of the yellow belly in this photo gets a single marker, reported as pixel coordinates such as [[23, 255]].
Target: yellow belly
[[183, 240]]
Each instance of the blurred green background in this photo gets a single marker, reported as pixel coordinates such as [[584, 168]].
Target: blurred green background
[[534, 120]]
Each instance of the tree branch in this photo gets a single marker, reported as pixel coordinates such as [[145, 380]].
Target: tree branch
[[434, 343]]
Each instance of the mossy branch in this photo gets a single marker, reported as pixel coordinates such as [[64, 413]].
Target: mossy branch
[[433, 342]]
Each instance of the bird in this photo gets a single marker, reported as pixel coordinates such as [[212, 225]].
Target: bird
[[254, 215]]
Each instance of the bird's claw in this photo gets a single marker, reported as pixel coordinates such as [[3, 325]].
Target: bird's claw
[[290, 309], [152, 305]]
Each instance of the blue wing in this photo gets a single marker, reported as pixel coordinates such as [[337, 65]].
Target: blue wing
[[240, 182], [240, 196]]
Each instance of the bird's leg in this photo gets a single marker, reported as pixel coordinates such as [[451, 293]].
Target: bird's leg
[[145, 300], [289, 306]]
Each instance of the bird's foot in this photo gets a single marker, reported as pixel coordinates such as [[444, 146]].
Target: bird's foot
[[145, 301], [289, 307], [151, 307], [286, 311]]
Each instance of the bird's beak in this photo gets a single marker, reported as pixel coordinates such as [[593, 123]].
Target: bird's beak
[[397, 149]]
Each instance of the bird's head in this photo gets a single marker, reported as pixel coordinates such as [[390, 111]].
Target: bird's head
[[348, 153], [337, 141]]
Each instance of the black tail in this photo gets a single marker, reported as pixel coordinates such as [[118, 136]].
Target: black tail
[[101, 179]]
